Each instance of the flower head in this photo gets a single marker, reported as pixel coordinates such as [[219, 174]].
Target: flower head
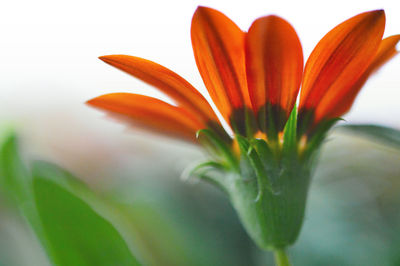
[[254, 79]]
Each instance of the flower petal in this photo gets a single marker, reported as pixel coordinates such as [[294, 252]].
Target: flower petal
[[218, 45], [274, 64], [151, 113], [339, 59], [387, 50], [166, 81]]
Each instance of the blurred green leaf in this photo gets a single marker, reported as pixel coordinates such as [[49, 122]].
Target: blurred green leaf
[[69, 229], [386, 135], [14, 177], [172, 223], [78, 235], [16, 184]]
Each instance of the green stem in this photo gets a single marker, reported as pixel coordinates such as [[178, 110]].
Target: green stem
[[281, 257]]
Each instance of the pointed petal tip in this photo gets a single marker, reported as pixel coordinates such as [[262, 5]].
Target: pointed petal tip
[[114, 58], [91, 102], [374, 16], [202, 8], [218, 49], [367, 30], [103, 57], [99, 100], [94, 102], [107, 58], [377, 14], [393, 43], [397, 38]]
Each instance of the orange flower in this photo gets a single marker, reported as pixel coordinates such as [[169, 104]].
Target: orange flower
[[254, 77]]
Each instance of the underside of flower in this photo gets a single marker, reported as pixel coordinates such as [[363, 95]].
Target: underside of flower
[[254, 79], [266, 179]]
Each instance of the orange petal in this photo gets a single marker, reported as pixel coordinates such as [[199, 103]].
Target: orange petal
[[151, 113], [387, 50], [165, 80], [274, 62], [218, 46], [339, 59]]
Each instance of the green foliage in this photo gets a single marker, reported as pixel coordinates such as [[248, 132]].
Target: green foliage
[[354, 199], [71, 231], [16, 184], [78, 235], [385, 135], [14, 177], [175, 223]]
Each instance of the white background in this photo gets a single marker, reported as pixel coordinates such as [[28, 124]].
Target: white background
[[49, 50]]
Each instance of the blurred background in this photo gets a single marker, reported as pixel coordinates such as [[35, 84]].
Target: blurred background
[[49, 68]]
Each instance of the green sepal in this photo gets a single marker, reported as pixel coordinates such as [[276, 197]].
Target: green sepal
[[244, 144], [246, 169], [214, 142], [201, 171], [264, 150], [274, 220], [213, 180], [290, 136], [269, 191], [271, 204], [263, 182], [270, 161], [318, 136], [208, 164], [220, 131]]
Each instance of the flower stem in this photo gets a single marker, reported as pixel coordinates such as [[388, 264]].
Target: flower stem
[[281, 258]]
